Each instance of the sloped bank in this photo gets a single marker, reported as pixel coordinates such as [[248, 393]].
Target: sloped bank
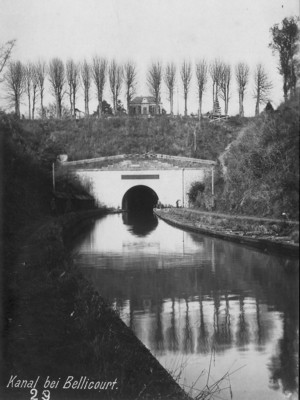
[[59, 327], [265, 234]]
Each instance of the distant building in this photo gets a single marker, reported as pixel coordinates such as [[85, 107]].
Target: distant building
[[144, 105]]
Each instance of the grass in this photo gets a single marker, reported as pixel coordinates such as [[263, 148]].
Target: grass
[[91, 138], [212, 388]]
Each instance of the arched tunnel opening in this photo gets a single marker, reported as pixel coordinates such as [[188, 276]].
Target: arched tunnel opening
[[138, 202], [139, 199]]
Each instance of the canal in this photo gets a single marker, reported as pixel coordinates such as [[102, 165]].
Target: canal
[[212, 312]]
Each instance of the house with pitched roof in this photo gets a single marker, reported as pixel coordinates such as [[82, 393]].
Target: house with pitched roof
[[144, 105]]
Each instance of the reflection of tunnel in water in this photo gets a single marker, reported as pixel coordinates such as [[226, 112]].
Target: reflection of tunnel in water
[[139, 198], [140, 223]]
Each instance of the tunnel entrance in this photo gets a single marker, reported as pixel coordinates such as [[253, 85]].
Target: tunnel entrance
[[139, 199]]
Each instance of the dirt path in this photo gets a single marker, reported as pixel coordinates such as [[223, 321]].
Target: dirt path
[[243, 217]]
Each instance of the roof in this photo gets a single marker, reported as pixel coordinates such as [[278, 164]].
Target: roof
[[143, 99], [145, 161]]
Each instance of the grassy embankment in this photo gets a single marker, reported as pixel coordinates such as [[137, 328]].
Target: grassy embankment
[[259, 172], [54, 324], [258, 168], [90, 138]]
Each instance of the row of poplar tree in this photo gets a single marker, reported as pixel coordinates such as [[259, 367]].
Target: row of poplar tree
[[66, 79]]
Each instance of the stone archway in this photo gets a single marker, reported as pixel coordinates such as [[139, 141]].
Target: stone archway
[[139, 198]]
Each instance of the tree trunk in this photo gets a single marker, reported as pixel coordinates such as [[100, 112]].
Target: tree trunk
[[71, 103], [200, 105], [74, 102], [285, 89], [86, 101], [185, 104], [257, 107], [241, 105], [58, 111], [17, 106], [171, 102], [42, 105], [33, 105], [226, 104], [99, 104], [29, 106]]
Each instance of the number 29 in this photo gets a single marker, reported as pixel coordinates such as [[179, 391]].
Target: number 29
[[45, 394]]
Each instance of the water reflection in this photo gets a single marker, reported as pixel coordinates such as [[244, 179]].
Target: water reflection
[[184, 295], [203, 338], [141, 223]]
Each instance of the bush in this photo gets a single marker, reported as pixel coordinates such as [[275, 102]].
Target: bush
[[262, 167], [196, 189]]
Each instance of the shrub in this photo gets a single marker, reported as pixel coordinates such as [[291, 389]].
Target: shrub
[[196, 188]]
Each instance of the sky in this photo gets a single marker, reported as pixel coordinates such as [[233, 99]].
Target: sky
[[146, 31]]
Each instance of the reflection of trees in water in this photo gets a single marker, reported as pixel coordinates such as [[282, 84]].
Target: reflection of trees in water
[[263, 327], [217, 338], [158, 330], [225, 331], [242, 334], [284, 364], [171, 334], [188, 342], [222, 337], [203, 337]]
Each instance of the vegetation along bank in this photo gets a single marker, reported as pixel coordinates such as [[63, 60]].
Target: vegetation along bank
[[269, 235]]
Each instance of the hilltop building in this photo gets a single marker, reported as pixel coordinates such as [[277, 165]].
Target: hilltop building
[[144, 105]]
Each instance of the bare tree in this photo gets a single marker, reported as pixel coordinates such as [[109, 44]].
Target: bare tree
[[5, 53], [186, 76], [57, 80], [129, 74], [242, 79], [15, 84], [28, 72], [115, 82], [72, 75], [201, 75], [154, 79], [215, 71], [225, 86], [170, 81], [41, 72], [69, 79], [35, 84], [99, 77], [86, 79], [262, 87], [31, 85]]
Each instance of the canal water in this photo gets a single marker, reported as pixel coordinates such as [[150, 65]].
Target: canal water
[[213, 313]]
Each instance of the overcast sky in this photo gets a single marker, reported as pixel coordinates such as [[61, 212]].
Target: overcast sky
[[145, 31]]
